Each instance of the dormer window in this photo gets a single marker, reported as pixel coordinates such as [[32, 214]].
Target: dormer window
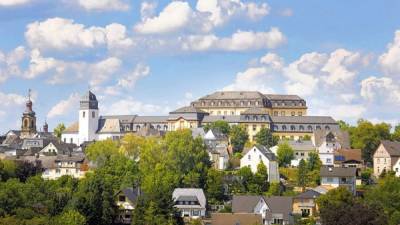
[[292, 128]]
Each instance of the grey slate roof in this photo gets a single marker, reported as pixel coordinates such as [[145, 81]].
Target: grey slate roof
[[392, 147], [109, 126], [70, 158], [198, 192], [300, 145], [342, 137], [266, 152], [255, 111], [338, 171], [309, 194], [220, 95], [131, 193], [229, 119], [279, 204], [189, 109], [303, 119], [245, 203], [150, 119], [282, 97]]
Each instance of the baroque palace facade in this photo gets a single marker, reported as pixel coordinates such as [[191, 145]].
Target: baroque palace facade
[[285, 115]]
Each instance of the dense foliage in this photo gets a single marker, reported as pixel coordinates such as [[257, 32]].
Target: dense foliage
[[220, 125], [239, 137], [265, 137], [285, 154]]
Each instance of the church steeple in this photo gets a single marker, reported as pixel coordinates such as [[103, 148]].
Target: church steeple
[[28, 127]]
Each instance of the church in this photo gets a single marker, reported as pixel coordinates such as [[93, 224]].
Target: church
[[285, 115]]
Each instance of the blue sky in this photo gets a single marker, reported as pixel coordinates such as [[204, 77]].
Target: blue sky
[[150, 57]]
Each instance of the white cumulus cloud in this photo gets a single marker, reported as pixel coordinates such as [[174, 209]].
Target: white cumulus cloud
[[390, 60], [65, 107], [63, 34], [9, 3], [104, 5]]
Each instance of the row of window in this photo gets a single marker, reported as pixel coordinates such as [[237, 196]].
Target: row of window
[[283, 113], [300, 128], [231, 103], [129, 127], [93, 114]]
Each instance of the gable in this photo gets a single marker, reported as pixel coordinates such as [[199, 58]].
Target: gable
[[381, 152]]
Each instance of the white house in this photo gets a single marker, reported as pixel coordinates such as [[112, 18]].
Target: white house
[[190, 202], [262, 154], [326, 150], [338, 177]]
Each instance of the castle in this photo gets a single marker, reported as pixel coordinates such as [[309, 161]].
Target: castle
[[285, 115]]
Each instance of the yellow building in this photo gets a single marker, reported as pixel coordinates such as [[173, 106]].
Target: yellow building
[[305, 204]]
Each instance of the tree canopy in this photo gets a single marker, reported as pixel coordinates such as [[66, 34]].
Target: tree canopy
[[239, 137], [220, 125], [285, 154], [265, 137]]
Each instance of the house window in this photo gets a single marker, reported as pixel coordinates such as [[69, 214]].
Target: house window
[[249, 157], [283, 113], [327, 128], [65, 140], [255, 118], [275, 113], [309, 128], [329, 179], [300, 113], [293, 128], [302, 154], [93, 114], [71, 140], [254, 127], [121, 198], [318, 127], [259, 157], [83, 114], [305, 212], [293, 113], [301, 127], [284, 127], [328, 160]]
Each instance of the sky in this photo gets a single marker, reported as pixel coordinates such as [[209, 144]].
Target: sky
[[149, 57]]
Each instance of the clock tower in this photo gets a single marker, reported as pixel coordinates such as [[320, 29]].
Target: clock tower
[[88, 117]]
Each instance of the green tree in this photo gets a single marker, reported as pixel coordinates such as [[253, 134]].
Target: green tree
[[239, 137], [59, 129], [274, 189], [306, 138], [313, 161], [285, 154], [101, 151], [70, 217], [215, 186], [339, 207], [367, 136], [220, 125], [260, 179], [302, 174], [396, 133], [386, 195], [265, 137]]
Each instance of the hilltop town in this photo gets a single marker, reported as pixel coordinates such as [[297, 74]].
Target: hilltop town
[[230, 157]]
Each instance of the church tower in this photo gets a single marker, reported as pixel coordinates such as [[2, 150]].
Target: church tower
[[88, 117], [28, 127]]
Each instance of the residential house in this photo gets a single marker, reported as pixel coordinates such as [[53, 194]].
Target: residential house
[[235, 219], [258, 154], [301, 149], [219, 156], [71, 165], [305, 204], [126, 200], [326, 150], [339, 177], [273, 210], [386, 158], [190, 202], [348, 158], [215, 137]]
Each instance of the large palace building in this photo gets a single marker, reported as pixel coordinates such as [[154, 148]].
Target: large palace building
[[285, 115]]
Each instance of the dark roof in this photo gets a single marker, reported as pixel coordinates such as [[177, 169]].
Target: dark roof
[[304, 119], [150, 119], [308, 194], [342, 137], [187, 198], [189, 109], [392, 147], [229, 119], [265, 151], [338, 171], [282, 97], [131, 193], [279, 204], [222, 95], [235, 219], [245, 203], [255, 111], [88, 96]]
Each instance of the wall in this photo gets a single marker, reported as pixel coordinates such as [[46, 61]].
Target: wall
[[381, 160]]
